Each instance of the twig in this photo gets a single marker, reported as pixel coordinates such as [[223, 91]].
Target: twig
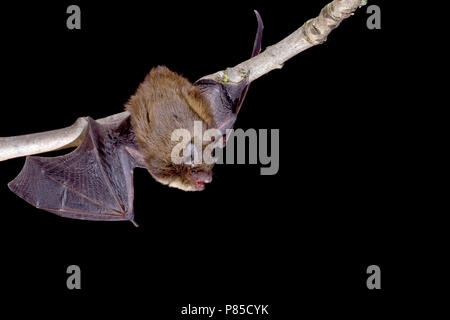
[[25, 145], [313, 32]]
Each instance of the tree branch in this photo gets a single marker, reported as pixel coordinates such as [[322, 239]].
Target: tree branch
[[313, 32], [29, 144]]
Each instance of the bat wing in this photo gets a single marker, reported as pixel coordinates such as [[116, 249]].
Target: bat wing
[[94, 182], [256, 50], [226, 98]]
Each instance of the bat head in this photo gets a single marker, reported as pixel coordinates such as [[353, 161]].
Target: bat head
[[185, 176], [196, 174], [200, 178], [166, 102], [194, 178]]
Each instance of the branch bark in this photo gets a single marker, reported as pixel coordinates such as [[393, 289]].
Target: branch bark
[[313, 32], [29, 144]]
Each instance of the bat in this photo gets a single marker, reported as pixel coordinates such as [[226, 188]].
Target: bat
[[95, 181]]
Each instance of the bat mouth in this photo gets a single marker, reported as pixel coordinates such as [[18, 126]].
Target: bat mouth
[[200, 185]]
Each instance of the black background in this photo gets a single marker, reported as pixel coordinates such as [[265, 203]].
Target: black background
[[299, 241]]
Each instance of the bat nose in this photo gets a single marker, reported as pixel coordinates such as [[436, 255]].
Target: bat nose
[[208, 180]]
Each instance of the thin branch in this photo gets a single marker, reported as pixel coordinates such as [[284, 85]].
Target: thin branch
[[313, 32], [29, 144]]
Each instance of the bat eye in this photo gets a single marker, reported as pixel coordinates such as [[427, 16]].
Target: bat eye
[[193, 171]]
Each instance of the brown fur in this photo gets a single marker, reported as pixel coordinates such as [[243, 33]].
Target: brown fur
[[166, 101]]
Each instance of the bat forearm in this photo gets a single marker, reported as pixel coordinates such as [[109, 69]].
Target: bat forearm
[[29, 144]]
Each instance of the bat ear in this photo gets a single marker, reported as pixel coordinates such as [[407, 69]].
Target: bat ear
[[190, 154]]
